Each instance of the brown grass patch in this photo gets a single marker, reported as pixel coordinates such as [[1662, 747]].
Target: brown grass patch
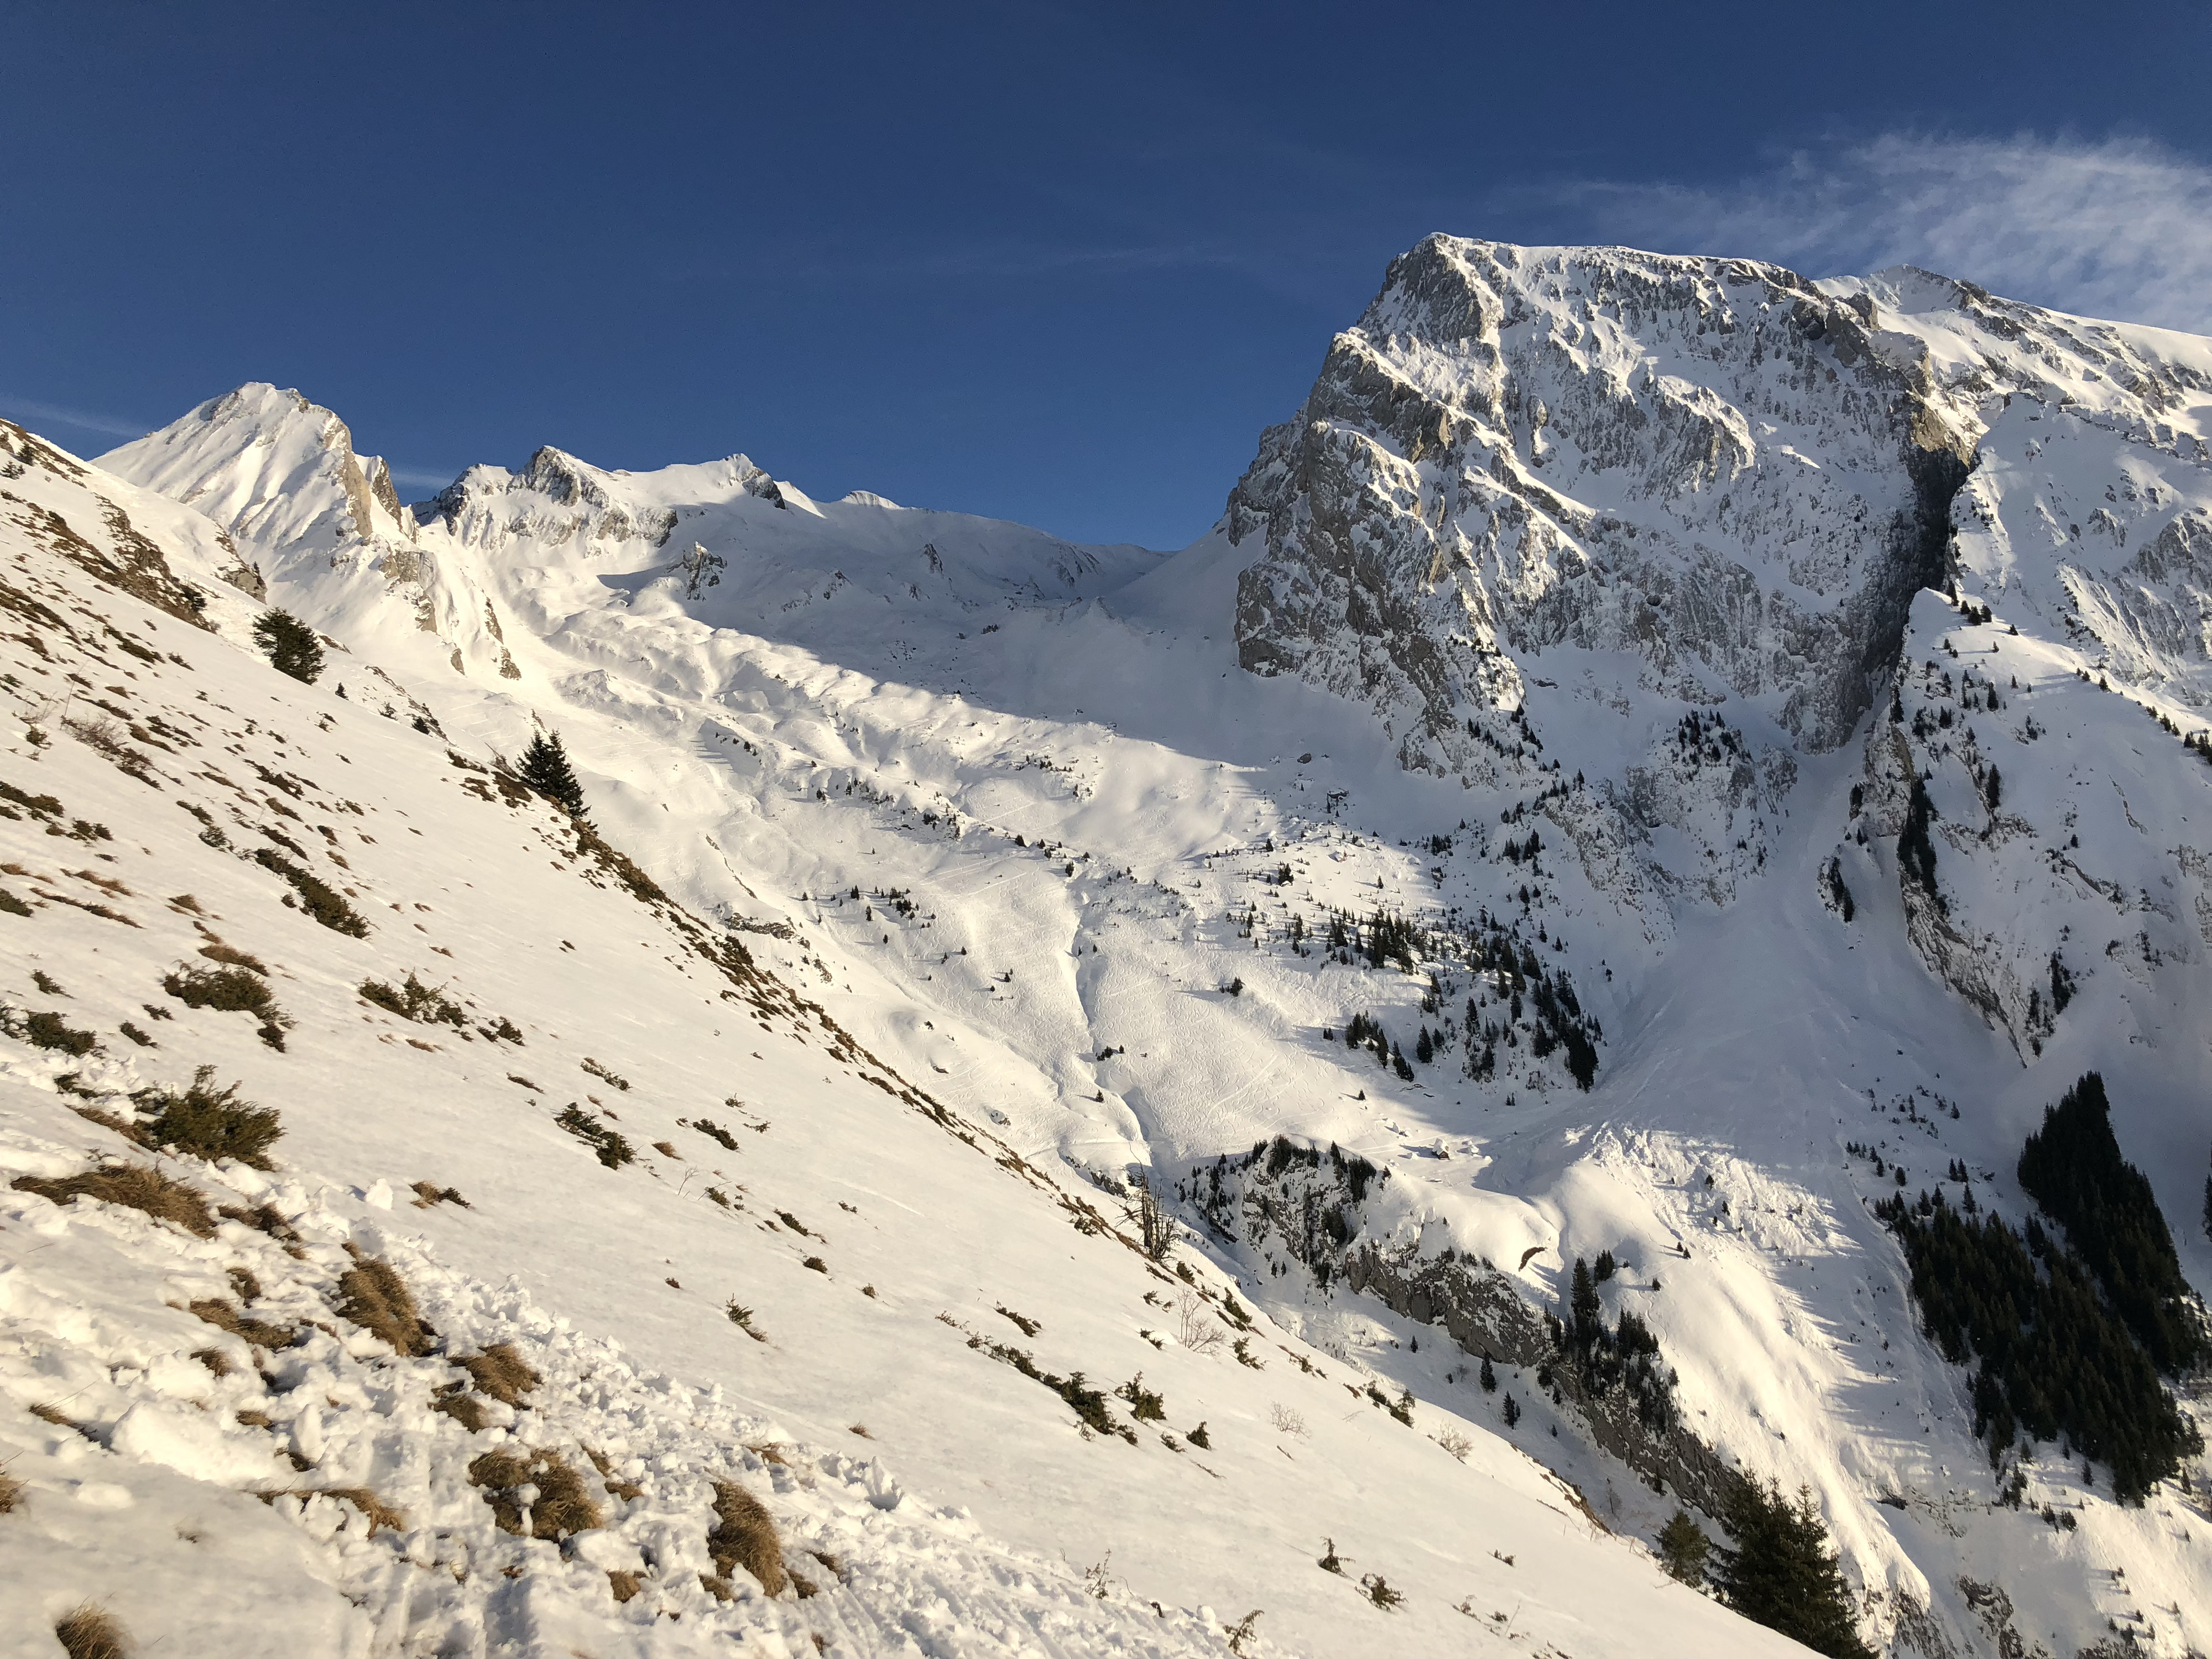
[[625, 1585], [224, 1315], [376, 1299], [501, 1372], [428, 1193], [221, 952], [720, 1588], [625, 1490], [744, 1536], [215, 1359], [91, 1632], [11, 1493], [253, 1419], [261, 1217], [563, 1504], [136, 1187], [380, 1514], [464, 1407]]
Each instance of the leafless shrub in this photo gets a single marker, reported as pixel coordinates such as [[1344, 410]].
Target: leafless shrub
[[744, 1536], [1286, 1421], [1456, 1444], [134, 1186], [1194, 1325]]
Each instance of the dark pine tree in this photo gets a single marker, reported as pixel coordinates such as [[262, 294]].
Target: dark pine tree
[[545, 769], [1683, 1548], [1781, 1574], [1489, 1377], [2073, 1169], [290, 644]]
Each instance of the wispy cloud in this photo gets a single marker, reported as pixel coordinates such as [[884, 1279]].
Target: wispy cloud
[[2113, 228], [417, 477], [30, 412]]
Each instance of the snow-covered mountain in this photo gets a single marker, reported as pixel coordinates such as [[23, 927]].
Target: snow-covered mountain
[[1714, 742]]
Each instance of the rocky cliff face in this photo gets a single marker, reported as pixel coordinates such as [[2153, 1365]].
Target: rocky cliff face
[[1709, 465]]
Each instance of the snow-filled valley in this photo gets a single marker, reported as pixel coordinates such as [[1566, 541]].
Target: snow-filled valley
[[1659, 757]]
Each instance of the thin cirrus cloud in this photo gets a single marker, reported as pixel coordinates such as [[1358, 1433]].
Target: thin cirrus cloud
[[2115, 228], [31, 412]]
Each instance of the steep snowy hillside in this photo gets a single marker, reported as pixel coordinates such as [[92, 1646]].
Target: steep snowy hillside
[[602, 1291], [1661, 760]]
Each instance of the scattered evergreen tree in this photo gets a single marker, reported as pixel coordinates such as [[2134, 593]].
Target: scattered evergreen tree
[[1683, 1548], [1781, 1574], [290, 644], [1489, 1376], [545, 769], [1992, 789], [1916, 851], [2073, 1169]]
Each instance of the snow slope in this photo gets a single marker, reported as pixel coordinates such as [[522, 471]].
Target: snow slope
[[880, 1238], [1597, 604]]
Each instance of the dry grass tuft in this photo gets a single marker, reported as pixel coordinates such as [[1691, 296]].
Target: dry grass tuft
[[744, 1536], [625, 1490], [720, 1588], [92, 1633], [223, 953], [502, 1373], [262, 1218], [563, 1506], [464, 1407], [625, 1585], [224, 1315], [380, 1515], [377, 1299], [11, 1494], [215, 1359], [428, 1193], [136, 1187]]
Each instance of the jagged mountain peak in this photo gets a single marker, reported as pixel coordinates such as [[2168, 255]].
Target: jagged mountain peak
[[273, 469]]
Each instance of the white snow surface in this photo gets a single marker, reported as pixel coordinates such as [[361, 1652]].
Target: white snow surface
[[1008, 813]]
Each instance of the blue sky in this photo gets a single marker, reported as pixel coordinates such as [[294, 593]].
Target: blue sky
[[1057, 263]]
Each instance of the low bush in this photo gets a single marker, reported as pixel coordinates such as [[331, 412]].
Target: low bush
[[612, 1149], [46, 1030], [322, 902], [205, 1122], [424, 1004], [230, 990]]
